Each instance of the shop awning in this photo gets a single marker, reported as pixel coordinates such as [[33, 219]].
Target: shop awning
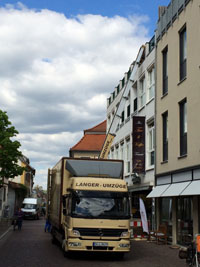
[[192, 189], [158, 191], [175, 189]]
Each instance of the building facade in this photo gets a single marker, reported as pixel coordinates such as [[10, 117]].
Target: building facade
[[177, 169], [27, 176], [10, 191], [134, 133], [91, 143]]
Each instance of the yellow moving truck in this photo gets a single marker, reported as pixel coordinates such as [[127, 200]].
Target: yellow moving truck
[[89, 205]]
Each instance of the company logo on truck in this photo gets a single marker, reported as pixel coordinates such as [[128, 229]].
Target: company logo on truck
[[111, 185]]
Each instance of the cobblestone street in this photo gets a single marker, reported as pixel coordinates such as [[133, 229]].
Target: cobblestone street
[[32, 247]]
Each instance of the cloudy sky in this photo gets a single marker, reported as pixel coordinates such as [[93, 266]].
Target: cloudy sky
[[59, 63]]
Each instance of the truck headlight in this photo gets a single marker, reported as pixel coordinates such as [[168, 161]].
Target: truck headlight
[[124, 234], [75, 232], [74, 244]]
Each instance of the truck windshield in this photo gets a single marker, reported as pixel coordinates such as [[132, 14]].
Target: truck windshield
[[29, 206], [104, 205]]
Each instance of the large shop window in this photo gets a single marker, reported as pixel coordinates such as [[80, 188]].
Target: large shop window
[[184, 220], [199, 211], [166, 215]]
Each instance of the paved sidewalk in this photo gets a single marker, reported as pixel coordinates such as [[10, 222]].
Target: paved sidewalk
[[32, 247], [156, 255], [5, 226]]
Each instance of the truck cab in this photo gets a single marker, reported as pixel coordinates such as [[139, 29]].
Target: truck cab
[[89, 206], [97, 220]]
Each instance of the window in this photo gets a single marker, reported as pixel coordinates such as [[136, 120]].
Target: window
[[184, 219], [122, 116], [166, 215], [183, 127], [165, 136], [151, 84], [127, 156], [123, 82], [128, 111], [118, 90], [109, 121], [183, 53], [165, 71], [112, 153], [151, 145], [135, 105], [122, 151], [142, 92], [117, 153], [113, 114]]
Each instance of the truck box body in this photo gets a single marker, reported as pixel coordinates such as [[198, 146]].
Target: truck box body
[[88, 205]]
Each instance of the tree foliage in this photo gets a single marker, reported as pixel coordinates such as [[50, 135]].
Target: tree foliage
[[9, 149]]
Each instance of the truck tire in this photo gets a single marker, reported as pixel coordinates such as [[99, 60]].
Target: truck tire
[[66, 254], [120, 256], [53, 240]]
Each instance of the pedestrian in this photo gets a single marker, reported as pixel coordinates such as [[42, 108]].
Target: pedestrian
[[18, 219], [43, 211], [47, 225]]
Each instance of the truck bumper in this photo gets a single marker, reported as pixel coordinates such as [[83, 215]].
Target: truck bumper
[[76, 244]]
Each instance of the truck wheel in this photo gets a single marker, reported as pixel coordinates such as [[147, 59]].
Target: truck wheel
[[120, 256], [67, 254], [53, 240]]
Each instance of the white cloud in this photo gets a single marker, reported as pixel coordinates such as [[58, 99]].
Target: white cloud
[[56, 73]]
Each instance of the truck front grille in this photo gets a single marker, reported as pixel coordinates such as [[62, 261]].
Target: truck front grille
[[100, 232]]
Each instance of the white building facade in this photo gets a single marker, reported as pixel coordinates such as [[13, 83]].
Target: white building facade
[[135, 143]]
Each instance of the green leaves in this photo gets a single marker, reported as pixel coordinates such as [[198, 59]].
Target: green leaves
[[9, 149]]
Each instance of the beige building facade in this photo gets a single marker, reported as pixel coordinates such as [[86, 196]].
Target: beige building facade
[[177, 109]]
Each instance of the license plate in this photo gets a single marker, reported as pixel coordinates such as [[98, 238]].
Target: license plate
[[100, 244]]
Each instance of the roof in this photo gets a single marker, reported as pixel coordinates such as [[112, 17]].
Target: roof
[[100, 128], [90, 142]]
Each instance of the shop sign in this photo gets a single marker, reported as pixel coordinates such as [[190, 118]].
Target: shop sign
[[138, 144]]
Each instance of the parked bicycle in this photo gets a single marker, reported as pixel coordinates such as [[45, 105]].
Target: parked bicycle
[[191, 253]]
